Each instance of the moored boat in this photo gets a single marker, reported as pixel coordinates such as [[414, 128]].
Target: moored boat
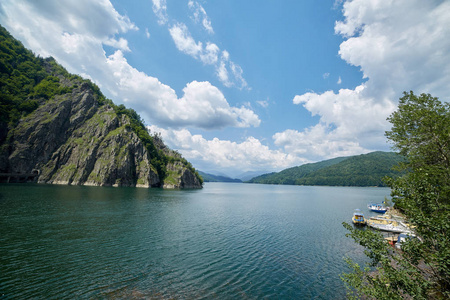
[[358, 218], [402, 237], [386, 224], [379, 208]]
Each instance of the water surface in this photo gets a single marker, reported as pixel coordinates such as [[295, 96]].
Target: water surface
[[225, 241]]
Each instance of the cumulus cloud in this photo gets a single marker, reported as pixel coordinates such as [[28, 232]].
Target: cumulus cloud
[[199, 15], [349, 124], [248, 155], [316, 143], [81, 51], [399, 46], [202, 104]]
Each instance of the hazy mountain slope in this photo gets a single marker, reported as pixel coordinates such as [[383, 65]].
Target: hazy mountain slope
[[216, 178], [360, 170]]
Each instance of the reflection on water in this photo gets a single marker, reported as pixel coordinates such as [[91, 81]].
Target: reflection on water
[[224, 241]]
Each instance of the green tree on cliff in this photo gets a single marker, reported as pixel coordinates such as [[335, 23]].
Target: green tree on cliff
[[421, 132]]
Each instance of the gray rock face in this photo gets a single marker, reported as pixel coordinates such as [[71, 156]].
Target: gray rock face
[[180, 177], [72, 140]]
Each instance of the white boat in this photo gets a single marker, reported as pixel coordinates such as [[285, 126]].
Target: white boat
[[385, 224], [379, 208]]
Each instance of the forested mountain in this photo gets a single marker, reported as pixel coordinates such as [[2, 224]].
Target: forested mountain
[[360, 170], [61, 128], [216, 178]]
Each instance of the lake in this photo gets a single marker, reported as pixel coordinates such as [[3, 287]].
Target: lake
[[225, 241]]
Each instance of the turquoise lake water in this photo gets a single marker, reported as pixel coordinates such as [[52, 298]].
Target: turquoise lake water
[[225, 241]]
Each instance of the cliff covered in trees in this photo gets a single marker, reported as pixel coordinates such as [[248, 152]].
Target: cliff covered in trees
[[60, 127]]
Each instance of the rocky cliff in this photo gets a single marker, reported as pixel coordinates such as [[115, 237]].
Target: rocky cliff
[[73, 135]]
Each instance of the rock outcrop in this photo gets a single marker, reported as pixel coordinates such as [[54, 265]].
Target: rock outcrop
[[180, 177], [71, 139], [73, 135]]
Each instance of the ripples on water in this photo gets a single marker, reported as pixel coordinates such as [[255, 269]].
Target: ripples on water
[[225, 241]]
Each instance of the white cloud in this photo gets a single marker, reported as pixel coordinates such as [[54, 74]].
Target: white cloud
[[228, 72], [249, 155], [160, 10], [339, 80], [121, 44], [147, 33], [316, 143], [81, 51], [222, 71], [326, 75], [202, 105], [399, 46], [43, 24], [237, 73], [199, 15], [184, 41], [349, 124], [210, 54], [264, 103]]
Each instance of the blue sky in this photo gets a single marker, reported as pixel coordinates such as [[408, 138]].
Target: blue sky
[[239, 86]]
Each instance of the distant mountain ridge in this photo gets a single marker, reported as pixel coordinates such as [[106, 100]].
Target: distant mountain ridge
[[217, 178], [360, 170]]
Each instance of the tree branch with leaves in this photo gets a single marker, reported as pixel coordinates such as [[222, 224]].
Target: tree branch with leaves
[[421, 270]]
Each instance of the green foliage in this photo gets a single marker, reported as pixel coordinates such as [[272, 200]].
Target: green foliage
[[420, 131], [20, 72], [394, 276], [25, 80], [362, 170], [47, 88]]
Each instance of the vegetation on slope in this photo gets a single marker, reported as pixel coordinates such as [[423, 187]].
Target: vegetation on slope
[[361, 170]]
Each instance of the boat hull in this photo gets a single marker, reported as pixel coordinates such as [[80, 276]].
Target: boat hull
[[361, 221], [389, 228], [379, 208]]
